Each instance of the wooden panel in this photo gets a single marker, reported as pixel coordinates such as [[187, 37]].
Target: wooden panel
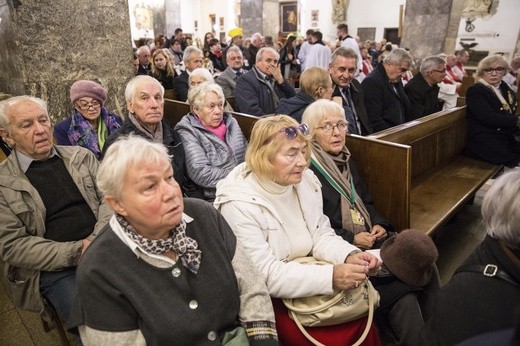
[[437, 196], [467, 81], [231, 101], [461, 101], [246, 122], [174, 111], [170, 94], [386, 170]]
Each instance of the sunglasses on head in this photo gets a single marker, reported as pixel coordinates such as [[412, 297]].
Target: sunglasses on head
[[291, 132]]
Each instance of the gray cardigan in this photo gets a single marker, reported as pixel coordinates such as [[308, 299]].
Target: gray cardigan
[[208, 158]]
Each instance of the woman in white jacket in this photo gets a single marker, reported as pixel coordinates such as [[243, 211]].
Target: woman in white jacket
[[273, 204]]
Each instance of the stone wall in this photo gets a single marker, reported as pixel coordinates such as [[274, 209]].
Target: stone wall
[[48, 45]]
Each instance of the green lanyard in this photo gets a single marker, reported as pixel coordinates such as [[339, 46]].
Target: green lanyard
[[335, 185]]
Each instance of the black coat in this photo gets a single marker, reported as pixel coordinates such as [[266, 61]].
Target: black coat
[[471, 303], [424, 98], [491, 128], [181, 85], [254, 96], [358, 99], [332, 203], [385, 106]]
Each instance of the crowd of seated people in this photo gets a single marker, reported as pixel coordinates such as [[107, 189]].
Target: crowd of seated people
[[292, 191]]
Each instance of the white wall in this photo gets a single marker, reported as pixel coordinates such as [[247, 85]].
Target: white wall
[[497, 34]]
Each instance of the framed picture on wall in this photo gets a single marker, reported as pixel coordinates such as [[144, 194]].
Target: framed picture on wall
[[288, 17]]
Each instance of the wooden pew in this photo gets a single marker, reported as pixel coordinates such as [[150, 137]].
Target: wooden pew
[[175, 110], [467, 81], [416, 172]]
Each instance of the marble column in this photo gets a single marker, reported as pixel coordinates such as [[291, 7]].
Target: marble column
[[425, 27], [260, 16], [172, 16], [48, 45]]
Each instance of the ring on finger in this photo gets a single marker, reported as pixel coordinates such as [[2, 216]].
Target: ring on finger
[[357, 284]]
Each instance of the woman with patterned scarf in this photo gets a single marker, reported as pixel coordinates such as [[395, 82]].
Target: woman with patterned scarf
[[346, 200], [91, 123], [493, 125], [155, 275]]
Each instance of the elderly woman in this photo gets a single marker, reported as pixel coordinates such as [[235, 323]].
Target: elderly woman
[[493, 127], [169, 279], [201, 75], [315, 83], [145, 102], [346, 200], [273, 204], [91, 123], [162, 68], [487, 285], [212, 138]]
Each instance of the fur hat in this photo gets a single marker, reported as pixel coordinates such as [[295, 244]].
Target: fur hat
[[410, 255], [87, 88], [235, 32]]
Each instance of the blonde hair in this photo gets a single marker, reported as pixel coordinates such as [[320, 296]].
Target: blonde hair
[[259, 155], [313, 78], [490, 61]]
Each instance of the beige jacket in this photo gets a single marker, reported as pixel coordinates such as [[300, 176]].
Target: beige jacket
[[23, 248]]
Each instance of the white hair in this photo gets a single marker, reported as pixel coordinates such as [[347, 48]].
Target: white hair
[[202, 72], [197, 95], [131, 87], [121, 156], [13, 101], [500, 209], [317, 111]]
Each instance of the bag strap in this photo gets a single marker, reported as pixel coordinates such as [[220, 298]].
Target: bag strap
[[489, 270], [365, 331]]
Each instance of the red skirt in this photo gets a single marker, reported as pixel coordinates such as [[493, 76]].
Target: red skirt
[[338, 335]]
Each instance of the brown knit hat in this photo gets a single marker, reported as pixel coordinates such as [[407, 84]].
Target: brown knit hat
[[410, 255], [87, 88]]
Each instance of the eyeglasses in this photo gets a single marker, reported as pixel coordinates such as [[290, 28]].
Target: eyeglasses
[[490, 70], [328, 127], [212, 106], [85, 106], [291, 132]]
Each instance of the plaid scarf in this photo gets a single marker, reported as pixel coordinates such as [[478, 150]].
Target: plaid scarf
[[185, 247]]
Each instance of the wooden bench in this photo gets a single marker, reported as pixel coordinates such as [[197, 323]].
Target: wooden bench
[[175, 110], [416, 172]]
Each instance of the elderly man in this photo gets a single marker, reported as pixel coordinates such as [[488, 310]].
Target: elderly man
[[348, 90], [462, 57], [259, 90], [236, 35], [228, 79], [145, 102], [192, 59], [423, 91], [385, 100], [143, 54], [450, 85], [50, 208], [257, 42]]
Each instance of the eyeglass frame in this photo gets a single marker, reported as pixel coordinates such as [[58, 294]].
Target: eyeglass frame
[[490, 70], [95, 104], [334, 126], [291, 132]]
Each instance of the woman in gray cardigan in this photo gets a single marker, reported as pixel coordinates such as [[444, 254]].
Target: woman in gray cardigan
[[213, 141]]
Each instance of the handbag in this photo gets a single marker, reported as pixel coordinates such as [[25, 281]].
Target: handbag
[[339, 307]]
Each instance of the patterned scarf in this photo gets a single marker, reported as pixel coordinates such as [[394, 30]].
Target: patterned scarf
[[185, 247], [83, 134]]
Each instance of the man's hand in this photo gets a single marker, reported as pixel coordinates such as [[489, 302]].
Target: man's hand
[[364, 240], [276, 73], [378, 231]]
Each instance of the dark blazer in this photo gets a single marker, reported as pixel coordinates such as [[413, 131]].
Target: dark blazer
[[385, 107], [181, 85], [359, 103], [253, 95], [332, 205], [144, 70], [424, 98], [491, 128]]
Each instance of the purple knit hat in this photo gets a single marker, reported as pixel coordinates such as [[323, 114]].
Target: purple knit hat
[[87, 88]]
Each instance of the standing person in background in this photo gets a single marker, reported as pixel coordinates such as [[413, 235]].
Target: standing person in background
[[143, 54], [257, 42], [305, 48], [348, 41], [462, 57], [207, 37], [179, 35], [162, 69], [288, 61], [91, 123], [236, 35], [319, 53]]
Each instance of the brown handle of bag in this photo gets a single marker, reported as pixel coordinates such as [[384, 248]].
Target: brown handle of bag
[[361, 338]]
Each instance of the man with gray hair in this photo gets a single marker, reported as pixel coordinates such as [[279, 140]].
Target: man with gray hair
[[385, 100], [259, 90], [423, 91], [50, 209], [143, 54], [228, 79], [257, 42], [192, 59]]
